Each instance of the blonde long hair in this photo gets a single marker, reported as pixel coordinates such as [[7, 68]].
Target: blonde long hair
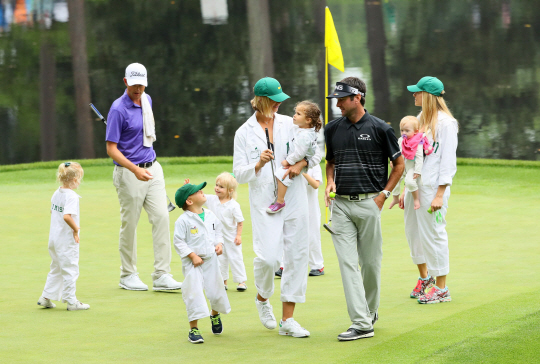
[[263, 104], [431, 105]]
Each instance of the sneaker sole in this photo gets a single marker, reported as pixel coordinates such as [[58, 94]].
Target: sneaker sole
[[273, 212], [316, 274], [365, 336], [44, 306], [438, 301], [241, 289], [269, 328], [166, 289], [292, 335], [131, 289], [78, 309], [200, 341]]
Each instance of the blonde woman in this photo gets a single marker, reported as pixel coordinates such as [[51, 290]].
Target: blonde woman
[[274, 234], [425, 228]]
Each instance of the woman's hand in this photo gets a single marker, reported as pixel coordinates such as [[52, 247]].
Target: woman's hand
[[238, 240], [437, 203], [266, 156], [295, 170]]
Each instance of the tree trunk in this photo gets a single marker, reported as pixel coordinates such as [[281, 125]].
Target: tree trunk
[[47, 99], [77, 35], [376, 42], [260, 39]]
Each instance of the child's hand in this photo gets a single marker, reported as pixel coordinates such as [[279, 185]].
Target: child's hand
[[238, 240], [285, 163], [76, 236], [416, 175], [219, 249], [196, 260], [186, 181]]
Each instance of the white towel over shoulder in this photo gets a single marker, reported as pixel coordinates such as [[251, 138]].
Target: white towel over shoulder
[[149, 125]]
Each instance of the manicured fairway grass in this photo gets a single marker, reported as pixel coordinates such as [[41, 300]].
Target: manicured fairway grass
[[495, 284]]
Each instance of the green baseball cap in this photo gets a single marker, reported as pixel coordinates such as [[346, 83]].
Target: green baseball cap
[[270, 88], [183, 193], [428, 84]]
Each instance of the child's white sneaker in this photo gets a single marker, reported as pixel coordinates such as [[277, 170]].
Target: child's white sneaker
[[265, 314], [45, 302], [292, 328], [133, 283], [77, 306], [166, 283]]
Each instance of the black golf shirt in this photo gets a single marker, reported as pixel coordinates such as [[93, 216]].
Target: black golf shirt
[[360, 152]]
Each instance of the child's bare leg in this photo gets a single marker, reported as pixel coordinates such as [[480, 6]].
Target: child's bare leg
[[416, 197], [193, 324], [225, 282], [281, 191], [395, 201]]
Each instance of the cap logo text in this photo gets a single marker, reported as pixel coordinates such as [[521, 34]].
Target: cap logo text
[[137, 74]]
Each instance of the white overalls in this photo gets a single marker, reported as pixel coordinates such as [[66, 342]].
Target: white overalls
[[230, 214], [274, 234], [191, 234], [64, 251], [315, 251], [426, 233]]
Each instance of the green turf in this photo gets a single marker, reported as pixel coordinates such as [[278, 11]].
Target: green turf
[[494, 281]]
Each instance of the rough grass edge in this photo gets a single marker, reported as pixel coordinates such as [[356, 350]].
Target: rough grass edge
[[229, 159]]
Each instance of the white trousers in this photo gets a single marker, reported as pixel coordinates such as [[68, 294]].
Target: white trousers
[[205, 278], [133, 196], [61, 280], [316, 260], [232, 255], [426, 233]]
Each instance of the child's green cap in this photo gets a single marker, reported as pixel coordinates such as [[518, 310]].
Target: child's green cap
[[185, 191]]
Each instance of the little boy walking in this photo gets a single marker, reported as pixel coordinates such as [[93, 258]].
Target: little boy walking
[[198, 240]]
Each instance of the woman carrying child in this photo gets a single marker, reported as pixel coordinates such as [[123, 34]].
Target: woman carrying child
[[274, 234], [425, 227]]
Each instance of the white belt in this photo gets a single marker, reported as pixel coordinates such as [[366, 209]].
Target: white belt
[[360, 197]]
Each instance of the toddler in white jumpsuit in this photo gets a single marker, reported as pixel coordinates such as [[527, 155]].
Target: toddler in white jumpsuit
[[64, 241], [303, 146], [411, 144], [198, 240], [228, 211]]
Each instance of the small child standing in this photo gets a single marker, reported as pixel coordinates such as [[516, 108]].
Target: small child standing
[[412, 144], [64, 240], [228, 211], [198, 241], [314, 179], [307, 117]]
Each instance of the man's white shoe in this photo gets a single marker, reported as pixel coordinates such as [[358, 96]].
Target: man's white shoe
[[133, 283], [77, 306], [265, 314], [45, 302], [292, 328], [166, 283]]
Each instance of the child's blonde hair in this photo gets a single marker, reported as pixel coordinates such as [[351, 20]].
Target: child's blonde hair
[[228, 181], [410, 119], [312, 112], [70, 174]]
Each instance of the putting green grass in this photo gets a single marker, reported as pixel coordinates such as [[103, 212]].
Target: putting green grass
[[494, 281]]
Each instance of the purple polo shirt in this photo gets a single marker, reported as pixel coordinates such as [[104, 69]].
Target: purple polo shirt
[[125, 127]]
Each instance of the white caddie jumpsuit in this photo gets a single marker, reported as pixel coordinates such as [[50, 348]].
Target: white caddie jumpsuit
[[315, 250], [191, 234], [274, 234], [425, 232], [64, 251]]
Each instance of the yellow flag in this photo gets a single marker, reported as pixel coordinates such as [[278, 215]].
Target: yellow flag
[[331, 42]]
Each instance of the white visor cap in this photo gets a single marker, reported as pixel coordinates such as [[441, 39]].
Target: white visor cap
[[136, 75]]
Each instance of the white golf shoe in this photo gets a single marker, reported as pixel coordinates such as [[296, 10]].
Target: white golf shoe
[[45, 302], [77, 306], [292, 328], [133, 283], [166, 283], [265, 314]]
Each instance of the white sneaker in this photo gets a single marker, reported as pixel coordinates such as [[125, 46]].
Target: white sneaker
[[166, 283], [45, 302], [292, 328], [77, 306], [133, 283], [265, 314]]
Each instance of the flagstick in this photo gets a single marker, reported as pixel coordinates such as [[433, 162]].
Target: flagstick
[[325, 116]]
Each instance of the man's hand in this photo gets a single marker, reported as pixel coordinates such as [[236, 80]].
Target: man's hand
[[142, 174], [219, 249], [238, 240], [295, 170], [195, 259], [331, 187], [380, 200], [76, 236]]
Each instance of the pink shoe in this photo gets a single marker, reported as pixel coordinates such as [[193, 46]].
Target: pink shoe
[[435, 295], [422, 286], [275, 207]]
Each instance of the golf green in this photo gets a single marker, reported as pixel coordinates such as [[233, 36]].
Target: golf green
[[494, 279]]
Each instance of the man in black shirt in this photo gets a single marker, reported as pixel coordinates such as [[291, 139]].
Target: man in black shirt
[[359, 146]]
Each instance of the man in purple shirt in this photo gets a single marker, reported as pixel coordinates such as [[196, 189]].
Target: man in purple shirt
[[139, 181]]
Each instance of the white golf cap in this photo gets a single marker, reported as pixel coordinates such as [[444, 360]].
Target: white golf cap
[[136, 74]]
